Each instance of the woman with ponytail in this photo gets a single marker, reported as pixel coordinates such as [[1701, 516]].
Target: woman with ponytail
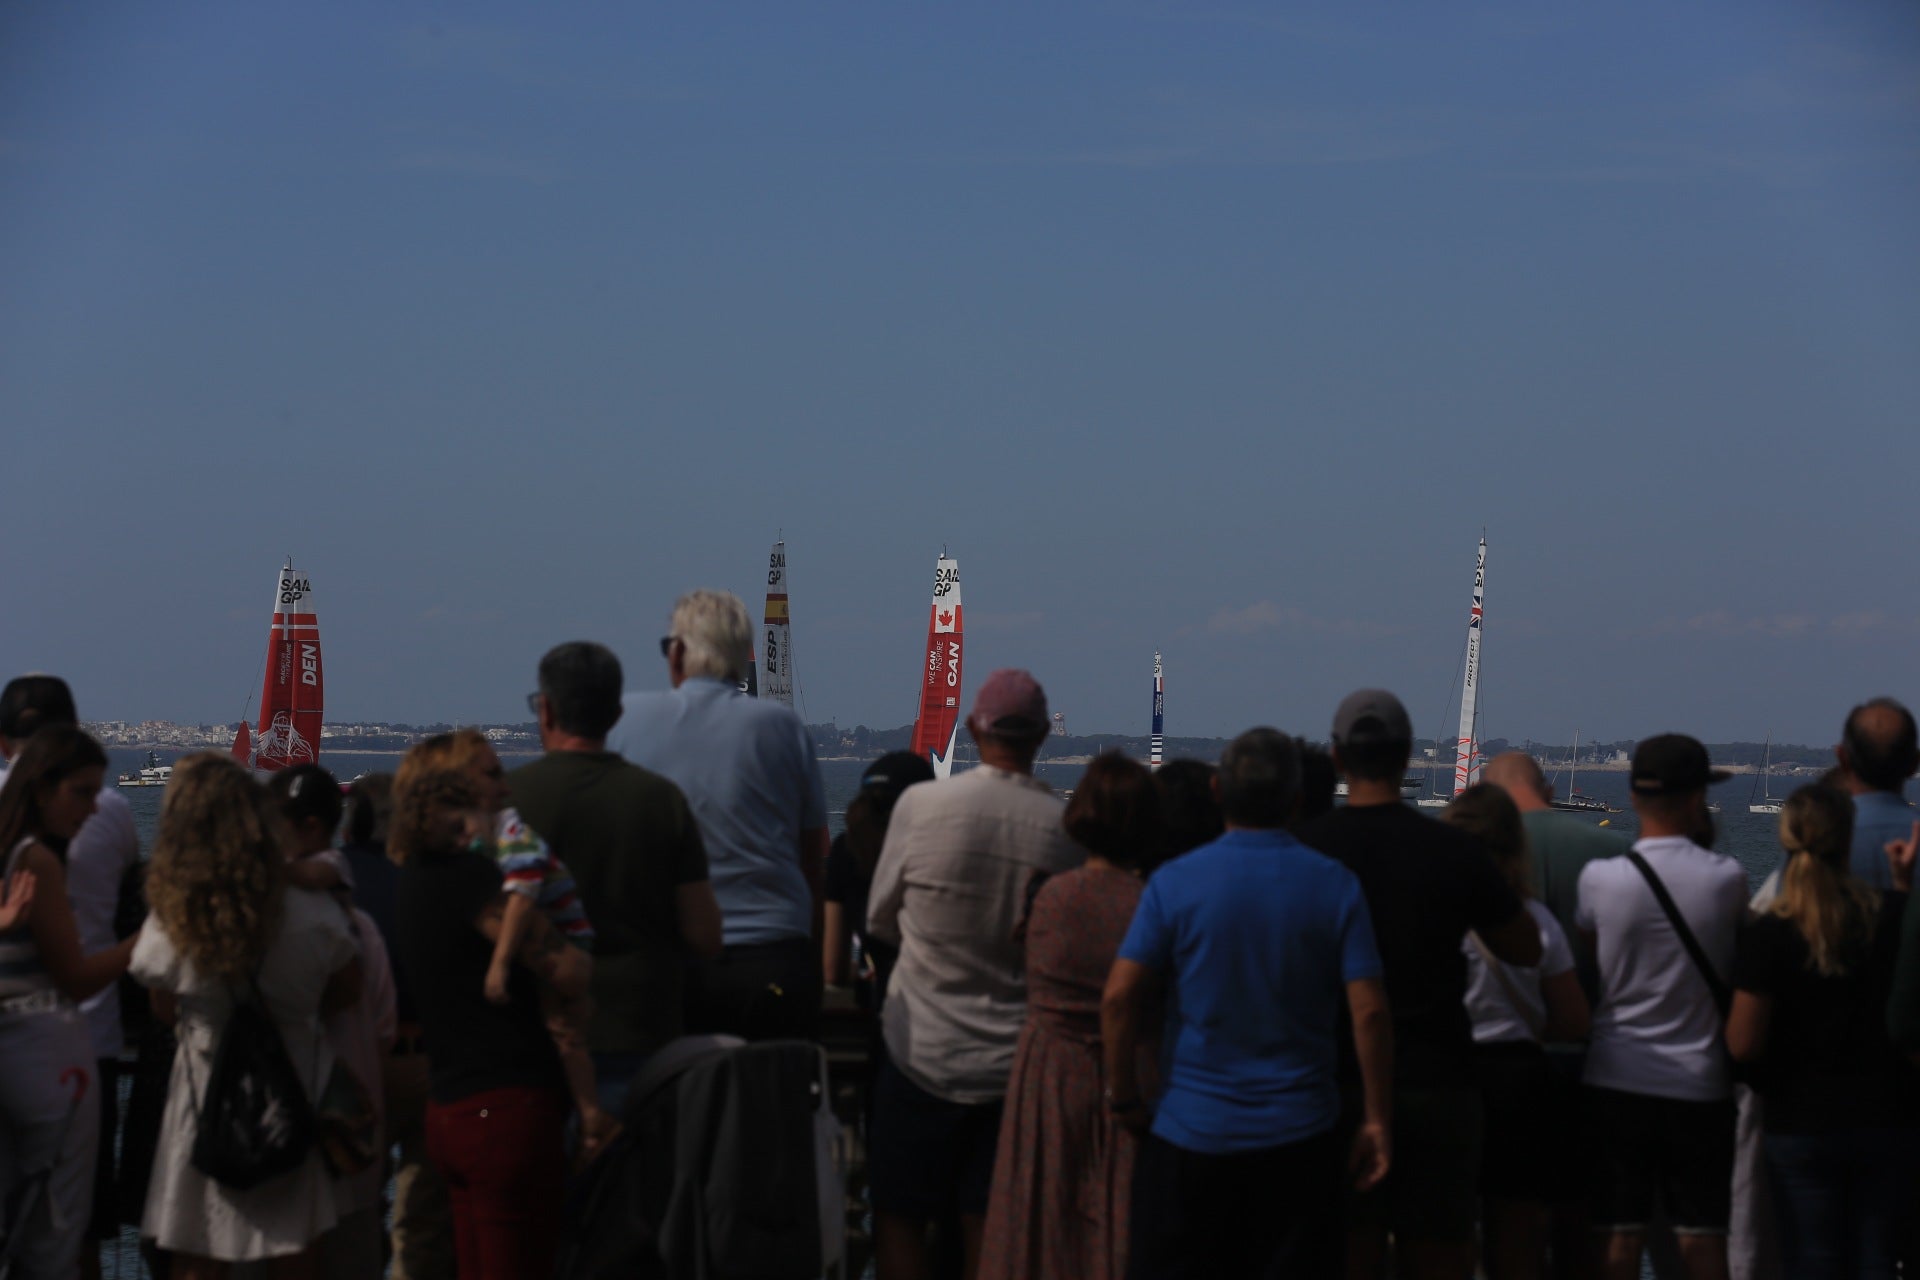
[[1811, 978]]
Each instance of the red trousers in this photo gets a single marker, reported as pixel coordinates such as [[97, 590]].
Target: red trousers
[[503, 1156]]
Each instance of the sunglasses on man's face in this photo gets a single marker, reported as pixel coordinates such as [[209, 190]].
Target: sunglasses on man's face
[[666, 645]]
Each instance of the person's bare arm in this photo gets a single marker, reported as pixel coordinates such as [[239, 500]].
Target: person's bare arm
[[1568, 1015], [314, 873], [1516, 940], [833, 950], [814, 843], [1372, 1152], [1747, 1025], [515, 915], [56, 936], [1129, 985], [343, 988], [699, 913]]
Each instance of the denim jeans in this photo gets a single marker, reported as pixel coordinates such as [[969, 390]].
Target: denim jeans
[[1840, 1199]]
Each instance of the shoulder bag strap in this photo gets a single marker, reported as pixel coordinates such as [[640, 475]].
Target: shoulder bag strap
[[1722, 997], [1535, 1023]]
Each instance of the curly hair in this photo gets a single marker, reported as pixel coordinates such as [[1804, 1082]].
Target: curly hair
[[423, 796], [219, 866]]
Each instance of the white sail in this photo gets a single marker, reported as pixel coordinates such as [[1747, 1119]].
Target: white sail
[[776, 676], [1157, 743], [1466, 765]]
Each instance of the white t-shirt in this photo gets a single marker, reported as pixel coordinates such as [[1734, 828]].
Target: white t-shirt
[[1657, 1030], [1495, 1016]]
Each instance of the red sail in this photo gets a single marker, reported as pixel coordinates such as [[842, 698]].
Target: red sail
[[243, 744], [940, 691], [291, 701]]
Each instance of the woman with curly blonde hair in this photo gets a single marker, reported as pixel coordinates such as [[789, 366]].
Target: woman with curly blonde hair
[[226, 925]]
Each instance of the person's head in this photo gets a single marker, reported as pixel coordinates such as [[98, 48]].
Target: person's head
[[218, 866], [580, 687], [466, 750], [710, 634], [437, 811], [1115, 813], [369, 809], [1488, 813], [310, 802], [871, 809], [1319, 780], [29, 703], [1879, 747], [1372, 737], [1832, 909], [1259, 780], [1518, 774], [1669, 780], [1189, 809], [51, 787], [1009, 719]]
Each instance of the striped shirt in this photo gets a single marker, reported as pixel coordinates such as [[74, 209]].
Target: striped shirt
[[528, 868], [21, 970]]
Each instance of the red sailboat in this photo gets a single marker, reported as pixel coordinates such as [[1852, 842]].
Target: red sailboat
[[938, 725], [292, 696]]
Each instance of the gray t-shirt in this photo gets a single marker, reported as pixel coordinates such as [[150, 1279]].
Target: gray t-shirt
[[950, 888]]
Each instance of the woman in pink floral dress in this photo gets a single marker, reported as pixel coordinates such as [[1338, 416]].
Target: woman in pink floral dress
[[1064, 1170]]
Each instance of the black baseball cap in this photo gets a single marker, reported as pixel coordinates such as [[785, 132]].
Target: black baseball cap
[[1371, 715], [1673, 764], [893, 773]]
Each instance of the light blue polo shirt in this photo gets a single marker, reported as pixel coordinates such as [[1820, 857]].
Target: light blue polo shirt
[[1258, 936], [1878, 816], [748, 771]]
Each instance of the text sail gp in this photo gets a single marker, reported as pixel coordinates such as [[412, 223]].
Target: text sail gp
[[292, 700]]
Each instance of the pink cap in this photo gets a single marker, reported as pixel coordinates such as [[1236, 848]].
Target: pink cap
[[1011, 701]]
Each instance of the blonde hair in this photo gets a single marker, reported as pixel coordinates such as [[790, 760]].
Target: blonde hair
[[1829, 906], [455, 753], [218, 867], [717, 632]]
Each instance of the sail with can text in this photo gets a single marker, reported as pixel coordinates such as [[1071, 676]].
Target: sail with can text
[[938, 725], [292, 698]]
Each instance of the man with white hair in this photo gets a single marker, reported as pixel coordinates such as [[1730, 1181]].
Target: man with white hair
[[748, 770]]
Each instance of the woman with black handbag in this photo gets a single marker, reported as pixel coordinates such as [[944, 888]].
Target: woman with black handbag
[[229, 941]]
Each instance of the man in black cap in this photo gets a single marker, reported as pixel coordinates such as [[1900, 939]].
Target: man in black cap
[[1662, 921], [1426, 884]]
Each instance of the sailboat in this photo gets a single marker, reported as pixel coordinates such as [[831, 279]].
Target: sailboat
[[938, 725], [1766, 802], [1467, 762], [292, 696], [1156, 743], [1577, 801], [777, 650]]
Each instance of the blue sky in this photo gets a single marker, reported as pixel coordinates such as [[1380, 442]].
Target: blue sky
[[1218, 329]]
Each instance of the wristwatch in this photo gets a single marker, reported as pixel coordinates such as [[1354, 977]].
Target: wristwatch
[[1119, 1107]]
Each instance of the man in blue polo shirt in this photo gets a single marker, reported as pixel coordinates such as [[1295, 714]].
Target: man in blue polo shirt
[[1260, 942], [747, 768]]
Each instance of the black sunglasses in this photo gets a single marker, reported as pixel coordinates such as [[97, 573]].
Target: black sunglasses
[[666, 645], [533, 703]]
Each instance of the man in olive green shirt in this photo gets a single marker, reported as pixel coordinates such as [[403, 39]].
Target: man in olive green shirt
[[635, 853]]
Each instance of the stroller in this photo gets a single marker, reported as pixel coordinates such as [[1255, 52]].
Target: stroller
[[725, 1171]]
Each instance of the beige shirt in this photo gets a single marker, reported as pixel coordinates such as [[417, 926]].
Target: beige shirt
[[949, 890]]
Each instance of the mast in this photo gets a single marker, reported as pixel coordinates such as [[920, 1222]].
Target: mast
[[1157, 743], [292, 698], [938, 725], [1466, 763], [1573, 766], [778, 656]]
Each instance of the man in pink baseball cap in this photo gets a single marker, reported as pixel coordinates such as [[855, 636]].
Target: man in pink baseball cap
[[948, 891]]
